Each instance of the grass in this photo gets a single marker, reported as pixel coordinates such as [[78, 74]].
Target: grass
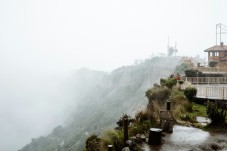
[[186, 113], [199, 110]]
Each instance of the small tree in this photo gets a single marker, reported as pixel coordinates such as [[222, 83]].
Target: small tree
[[190, 93], [120, 122]]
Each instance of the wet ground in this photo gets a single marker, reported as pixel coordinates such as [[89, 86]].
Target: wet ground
[[203, 120], [190, 139]]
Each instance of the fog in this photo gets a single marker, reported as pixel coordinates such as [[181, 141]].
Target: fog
[[43, 42], [31, 105]]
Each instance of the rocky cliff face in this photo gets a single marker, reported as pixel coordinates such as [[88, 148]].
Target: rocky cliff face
[[104, 98]]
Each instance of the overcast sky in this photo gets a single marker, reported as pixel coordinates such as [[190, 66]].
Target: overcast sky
[[41, 38], [103, 34]]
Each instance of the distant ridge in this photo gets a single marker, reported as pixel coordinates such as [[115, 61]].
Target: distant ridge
[[103, 100]]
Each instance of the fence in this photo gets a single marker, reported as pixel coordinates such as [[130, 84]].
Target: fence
[[211, 92]]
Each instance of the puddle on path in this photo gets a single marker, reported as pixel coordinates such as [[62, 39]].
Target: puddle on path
[[184, 138], [191, 139]]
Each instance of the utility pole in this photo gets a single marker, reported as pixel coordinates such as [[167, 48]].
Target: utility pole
[[216, 34]]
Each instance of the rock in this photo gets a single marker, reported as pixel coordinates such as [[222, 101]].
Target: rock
[[143, 138], [129, 142], [215, 146], [138, 138], [125, 149]]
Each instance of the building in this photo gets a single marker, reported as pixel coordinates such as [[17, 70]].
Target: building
[[217, 55]]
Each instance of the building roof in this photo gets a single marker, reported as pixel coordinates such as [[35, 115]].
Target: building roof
[[217, 48]]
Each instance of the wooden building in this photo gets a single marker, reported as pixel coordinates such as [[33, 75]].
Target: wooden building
[[217, 55]]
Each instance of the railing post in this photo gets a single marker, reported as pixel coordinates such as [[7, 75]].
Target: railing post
[[168, 106], [206, 92], [125, 120], [223, 91]]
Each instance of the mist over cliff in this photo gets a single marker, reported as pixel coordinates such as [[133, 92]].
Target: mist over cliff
[[101, 99]]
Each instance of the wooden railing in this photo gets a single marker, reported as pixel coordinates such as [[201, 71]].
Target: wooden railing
[[206, 80], [211, 92]]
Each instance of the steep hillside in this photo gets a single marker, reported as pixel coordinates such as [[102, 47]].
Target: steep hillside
[[121, 91]]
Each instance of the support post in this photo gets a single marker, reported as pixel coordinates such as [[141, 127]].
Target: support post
[[125, 120], [168, 106]]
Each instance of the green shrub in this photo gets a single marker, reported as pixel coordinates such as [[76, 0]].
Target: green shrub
[[170, 82], [143, 122], [115, 138], [141, 128], [190, 92], [216, 113], [158, 93], [193, 73], [93, 143], [120, 122]]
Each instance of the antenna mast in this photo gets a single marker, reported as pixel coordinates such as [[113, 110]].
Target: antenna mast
[[222, 30]]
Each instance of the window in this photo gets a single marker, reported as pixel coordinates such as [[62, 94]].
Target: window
[[225, 53], [216, 53], [210, 54]]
